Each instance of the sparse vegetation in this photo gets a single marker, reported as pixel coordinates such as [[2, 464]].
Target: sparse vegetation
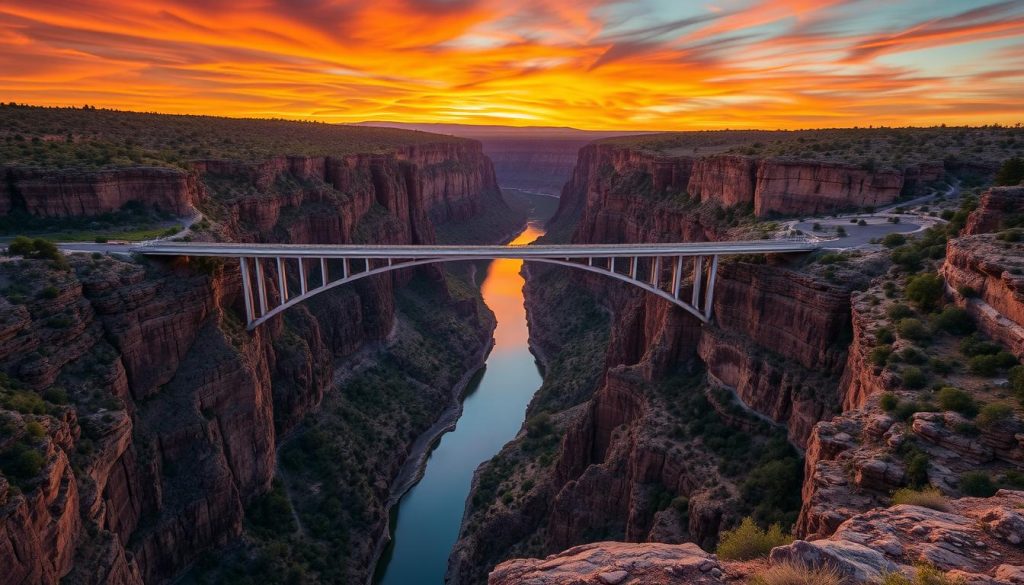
[[748, 541], [977, 484], [797, 574], [928, 497]]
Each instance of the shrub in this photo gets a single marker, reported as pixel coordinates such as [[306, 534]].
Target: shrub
[[974, 345], [906, 409], [894, 240], [747, 541], [928, 497], [884, 335], [797, 574], [910, 328], [50, 292], [977, 484], [841, 232], [925, 290], [923, 575], [22, 462], [1017, 381], [917, 470], [35, 430], [989, 365], [38, 249], [954, 320], [816, 227], [879, 355], [914, 378], [1011, 172], [888, 401], [912, 355], [957, 400], [862, 223], [899, 311], [907, 258], [992, 415]]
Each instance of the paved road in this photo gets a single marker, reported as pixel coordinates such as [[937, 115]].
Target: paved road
[[233, 250]]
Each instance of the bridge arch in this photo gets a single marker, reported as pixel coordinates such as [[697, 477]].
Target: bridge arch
[[645, 266]]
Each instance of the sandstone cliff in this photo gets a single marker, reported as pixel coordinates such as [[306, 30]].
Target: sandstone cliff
[[156, 416], [770, 186], [634, 460]]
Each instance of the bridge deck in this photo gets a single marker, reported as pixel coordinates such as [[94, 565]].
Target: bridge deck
[[234, 250]]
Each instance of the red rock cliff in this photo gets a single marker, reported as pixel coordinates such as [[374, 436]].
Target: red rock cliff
[[175, 410]]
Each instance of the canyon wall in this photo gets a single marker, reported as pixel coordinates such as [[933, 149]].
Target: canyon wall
[[769, 186], [154, 415], [445, 179], [768, 366]]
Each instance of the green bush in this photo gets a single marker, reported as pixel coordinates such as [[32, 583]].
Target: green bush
[[1011, 172], [954, 320], [879, 355], [888, 401], [884, 335], [894, 240], [913, 329], [975, 345], [38, 249], [912, 355], [914, 378], [917, 470], [990, 365], [977, 484], [967, 292], [899, 311], [991, 415], [35, 430], [22, 462], [957, 400], [1017, 382], [925, 290], [748, 541]]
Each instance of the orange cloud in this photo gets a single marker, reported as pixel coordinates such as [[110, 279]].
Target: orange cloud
[[645, 64]]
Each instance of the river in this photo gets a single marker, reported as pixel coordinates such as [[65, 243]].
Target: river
[[426, 523]]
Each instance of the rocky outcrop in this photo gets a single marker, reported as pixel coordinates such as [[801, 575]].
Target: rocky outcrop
[[977, 540], [799, 187], [55, 194], [612, 563], [997, 207], [986, 276]]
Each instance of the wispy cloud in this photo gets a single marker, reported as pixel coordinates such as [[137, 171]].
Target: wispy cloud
[[641, 64]]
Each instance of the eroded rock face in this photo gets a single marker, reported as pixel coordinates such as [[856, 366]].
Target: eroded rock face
[[770, 186], [180, 408], [80, 193], [986, 276], [978, 538], [996, 207], [612, 563]]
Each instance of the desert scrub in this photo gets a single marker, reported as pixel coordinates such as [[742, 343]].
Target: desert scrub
[[923, 575], [977, 484], [928, 497], [797, 574], [748, 541]]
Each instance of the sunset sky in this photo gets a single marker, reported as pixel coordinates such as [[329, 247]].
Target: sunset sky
[[643, 64]]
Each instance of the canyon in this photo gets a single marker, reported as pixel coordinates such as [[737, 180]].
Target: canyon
[[163, 416], [148, 437], [790, 343]]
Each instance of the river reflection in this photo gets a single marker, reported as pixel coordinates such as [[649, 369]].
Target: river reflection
[[427, 521]]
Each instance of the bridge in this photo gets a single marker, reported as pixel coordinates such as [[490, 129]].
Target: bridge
[[659, 269]]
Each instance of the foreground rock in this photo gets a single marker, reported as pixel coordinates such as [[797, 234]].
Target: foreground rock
[[612, 563], [978, 540]]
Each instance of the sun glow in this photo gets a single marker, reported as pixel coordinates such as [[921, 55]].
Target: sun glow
[[646, 64]]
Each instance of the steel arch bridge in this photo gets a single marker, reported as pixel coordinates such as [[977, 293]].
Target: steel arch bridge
[[659, 269]]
